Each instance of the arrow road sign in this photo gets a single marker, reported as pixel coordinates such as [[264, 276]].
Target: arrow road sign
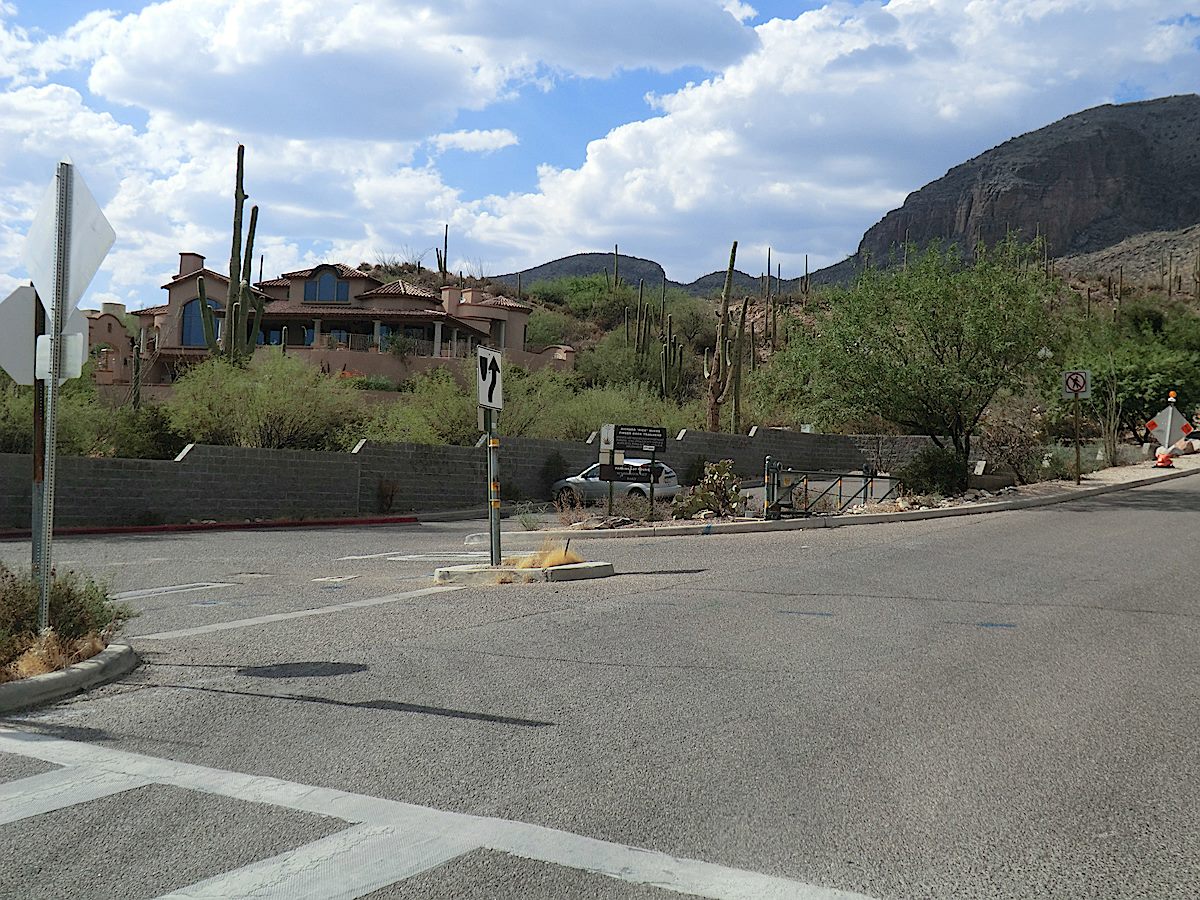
[[489, 379], [1077, 384]]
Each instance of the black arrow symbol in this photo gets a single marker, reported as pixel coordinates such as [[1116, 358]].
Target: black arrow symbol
[[483, 361], [495, 370]]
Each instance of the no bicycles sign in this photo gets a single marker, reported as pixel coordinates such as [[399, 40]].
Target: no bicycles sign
[[1077, 384]]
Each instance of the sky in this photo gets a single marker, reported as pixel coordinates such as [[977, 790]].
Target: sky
[[536, 130]]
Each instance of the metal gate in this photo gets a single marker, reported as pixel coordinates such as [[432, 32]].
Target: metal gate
[[792, 492]]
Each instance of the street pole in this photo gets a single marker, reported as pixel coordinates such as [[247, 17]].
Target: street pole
[[493, 476], [1077, 439], [62, 270], [610, 493], [39, 443], [652, 452]]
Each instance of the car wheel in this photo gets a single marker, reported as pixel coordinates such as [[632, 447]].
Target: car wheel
[[568, 499], [634, 494]]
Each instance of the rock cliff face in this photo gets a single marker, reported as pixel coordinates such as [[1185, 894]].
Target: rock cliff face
[[1086, 182]]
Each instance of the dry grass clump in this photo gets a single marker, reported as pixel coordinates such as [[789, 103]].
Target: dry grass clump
[[551, 553], [50, 653], [82, 616]]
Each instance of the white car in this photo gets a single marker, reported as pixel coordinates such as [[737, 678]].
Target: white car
[[586, 487]]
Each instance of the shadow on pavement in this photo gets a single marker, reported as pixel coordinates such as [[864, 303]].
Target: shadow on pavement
[[302, 670], [1145, 498], [389, 705]]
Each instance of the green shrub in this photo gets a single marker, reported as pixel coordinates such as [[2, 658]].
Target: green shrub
[[716, 492], [548, 326], [935, 470], [143, 433], [84, 425], [79, 606], [1058, 463], [276, 402], [370, 383]]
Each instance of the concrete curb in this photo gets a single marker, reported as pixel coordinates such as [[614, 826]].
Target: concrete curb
[[489, 575], [107, 665], [754, 527], [19, 534]]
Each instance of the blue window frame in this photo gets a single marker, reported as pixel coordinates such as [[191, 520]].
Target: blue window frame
[[193, 324]]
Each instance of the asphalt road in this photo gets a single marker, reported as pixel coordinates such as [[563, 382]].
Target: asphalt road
[[999, 706]]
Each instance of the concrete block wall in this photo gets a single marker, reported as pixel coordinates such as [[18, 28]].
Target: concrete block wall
[[16, 471], [419, 477], [229, 483], [234, 484]]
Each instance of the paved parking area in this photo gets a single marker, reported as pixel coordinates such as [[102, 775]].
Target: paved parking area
[[1001, 706]]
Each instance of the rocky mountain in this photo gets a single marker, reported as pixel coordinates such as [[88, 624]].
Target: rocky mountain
[[1146, 259], [633, 268], [1085, 182], [1091, 181]]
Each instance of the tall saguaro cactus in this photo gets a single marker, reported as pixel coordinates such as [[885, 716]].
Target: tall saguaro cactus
[[724, 374], [240, 335]]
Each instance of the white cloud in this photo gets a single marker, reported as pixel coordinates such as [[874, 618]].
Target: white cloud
[[810, 130], [476, 141], [740, 11], [842, 112]]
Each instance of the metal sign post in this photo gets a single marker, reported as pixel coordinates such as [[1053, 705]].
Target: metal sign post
[[66, 243], [653, 450], [493, 475], [490, 388], [62, 274], [1076, 386], [39, 444]]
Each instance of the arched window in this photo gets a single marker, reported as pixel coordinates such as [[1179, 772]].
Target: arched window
[[193, 324], [326, 288]]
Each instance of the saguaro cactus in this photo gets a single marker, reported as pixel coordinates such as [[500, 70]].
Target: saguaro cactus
[[724, 376], [240, 335], [671, 362]]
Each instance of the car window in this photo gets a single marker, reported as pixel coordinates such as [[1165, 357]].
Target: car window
[[592, 472]]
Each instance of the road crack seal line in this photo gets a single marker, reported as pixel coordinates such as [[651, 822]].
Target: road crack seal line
[[683, 667]]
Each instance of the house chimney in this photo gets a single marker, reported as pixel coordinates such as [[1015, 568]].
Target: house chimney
[[451, 296], [190, 262], [473, 295]]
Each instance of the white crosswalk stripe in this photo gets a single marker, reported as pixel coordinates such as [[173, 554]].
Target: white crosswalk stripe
[[59, 789], [386, 841]]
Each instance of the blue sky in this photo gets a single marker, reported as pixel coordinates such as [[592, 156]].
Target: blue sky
[[670, 127]]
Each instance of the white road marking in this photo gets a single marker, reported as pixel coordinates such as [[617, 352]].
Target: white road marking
[[335, 579], [172, 589], [369, 556], [297, 614], [399, 839], [453, 556], [59, 789], [343, 866]]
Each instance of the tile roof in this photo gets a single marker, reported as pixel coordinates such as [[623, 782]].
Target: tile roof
[[400, 288], [343, 271], [151, 310], [331, 313], [207, 273], [273, 282], [503, 303]]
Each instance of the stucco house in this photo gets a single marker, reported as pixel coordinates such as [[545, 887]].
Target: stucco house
[[344, 320]]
